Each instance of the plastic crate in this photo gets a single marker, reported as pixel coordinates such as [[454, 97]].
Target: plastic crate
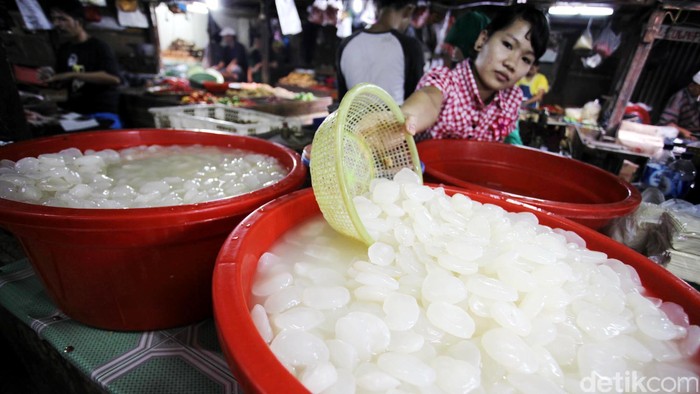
[[240, 121]]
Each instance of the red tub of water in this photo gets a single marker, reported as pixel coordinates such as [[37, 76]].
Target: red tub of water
[[568, 187], [137, 268], [250, 358]]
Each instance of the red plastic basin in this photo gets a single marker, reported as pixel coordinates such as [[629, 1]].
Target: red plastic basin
[[253, 363], [568, 187], [215, 87], [142, 268]]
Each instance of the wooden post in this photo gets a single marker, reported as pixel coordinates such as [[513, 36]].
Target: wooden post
[[265, 39], [636, 66], [155, 37]]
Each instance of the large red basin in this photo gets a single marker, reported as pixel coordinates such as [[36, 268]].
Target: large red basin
[[135, 269], [568, 187], [256, 367]]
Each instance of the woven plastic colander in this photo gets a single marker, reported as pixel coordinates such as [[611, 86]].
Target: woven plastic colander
[[362, 140]]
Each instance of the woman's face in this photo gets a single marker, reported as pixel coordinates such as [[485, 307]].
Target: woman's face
[[503, 58]]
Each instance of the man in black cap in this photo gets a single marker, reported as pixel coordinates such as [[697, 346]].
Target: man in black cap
[[84, 64]]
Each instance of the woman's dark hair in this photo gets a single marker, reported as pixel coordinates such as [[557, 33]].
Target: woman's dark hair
[[539, 32]]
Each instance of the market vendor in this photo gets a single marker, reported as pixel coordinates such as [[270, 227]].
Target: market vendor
[[85, 66], [230, 57], [682, 110], [478, 99]]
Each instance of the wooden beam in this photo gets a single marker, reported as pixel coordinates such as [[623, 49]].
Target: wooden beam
[[265, 49], [636, 66], [155, 38], [688, 5]]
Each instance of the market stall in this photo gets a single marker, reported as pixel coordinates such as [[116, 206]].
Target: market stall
[[178, 37], [304, 106]]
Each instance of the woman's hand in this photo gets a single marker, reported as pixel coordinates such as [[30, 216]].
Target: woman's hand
[[425, 102], [410, 124]]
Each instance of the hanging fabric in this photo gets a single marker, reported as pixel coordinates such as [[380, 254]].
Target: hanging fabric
[[33, 16], [441, 32], [290, 23]]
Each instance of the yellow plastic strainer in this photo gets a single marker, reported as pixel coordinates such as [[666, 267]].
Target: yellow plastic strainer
[[362, 140]]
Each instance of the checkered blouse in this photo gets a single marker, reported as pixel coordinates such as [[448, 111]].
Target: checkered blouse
[[464, 115]]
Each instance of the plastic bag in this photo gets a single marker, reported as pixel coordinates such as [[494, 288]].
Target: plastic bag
[[668, 233], [635, 230], [585, 42], [592, 61], [607, 42]]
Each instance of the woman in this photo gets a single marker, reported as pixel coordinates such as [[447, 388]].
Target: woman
[[478, 99]]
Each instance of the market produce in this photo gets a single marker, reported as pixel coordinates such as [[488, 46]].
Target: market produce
[[144, 176], [300, 79], [305, 96], [251, 90], [201, 97], [459, 296], [171, 85]]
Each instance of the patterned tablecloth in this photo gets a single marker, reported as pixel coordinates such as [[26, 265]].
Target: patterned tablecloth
[[180, 360]]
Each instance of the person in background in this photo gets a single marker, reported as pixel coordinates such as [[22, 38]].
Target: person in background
[[256, 61], [85, 65], [682, 110], [382, 54], [13, 124], [534, 86], [230, 57], [463, 34], [478, 99]]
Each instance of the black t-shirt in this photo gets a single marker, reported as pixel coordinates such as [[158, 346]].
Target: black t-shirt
[[88, 56], [255, 58]]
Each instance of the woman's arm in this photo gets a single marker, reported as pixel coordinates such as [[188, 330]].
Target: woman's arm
[[96, 77], [422, 108]]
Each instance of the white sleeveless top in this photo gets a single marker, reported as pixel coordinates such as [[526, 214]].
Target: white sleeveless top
[[377, 58]]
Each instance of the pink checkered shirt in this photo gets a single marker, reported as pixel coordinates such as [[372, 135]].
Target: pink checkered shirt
[[463, 114]]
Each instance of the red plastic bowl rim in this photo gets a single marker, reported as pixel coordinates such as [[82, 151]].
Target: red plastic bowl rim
[[626, 205], [20, 212]]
